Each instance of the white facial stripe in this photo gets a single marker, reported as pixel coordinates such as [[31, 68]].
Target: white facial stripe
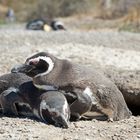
[[50, 63], [88, 91], [48, 60], [65, 110], [27, 105], [35, 111], [91, 95], [10, 90], [58, 23], [24, 112], [45, 87], [44, 106]]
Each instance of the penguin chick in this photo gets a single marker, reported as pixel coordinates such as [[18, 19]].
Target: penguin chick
[[11, 82], [48, 106], [92, 88], [7, 101]]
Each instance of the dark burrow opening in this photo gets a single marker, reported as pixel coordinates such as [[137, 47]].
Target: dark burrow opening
[[132, 100], [134, 109]]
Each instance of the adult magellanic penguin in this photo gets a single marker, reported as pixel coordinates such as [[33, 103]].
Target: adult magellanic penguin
[[57, 25], [91, 88], [38, 24], [21, 97], [50, 106]]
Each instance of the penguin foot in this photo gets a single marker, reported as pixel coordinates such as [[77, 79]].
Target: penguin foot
[[110, 120], [75, 117]]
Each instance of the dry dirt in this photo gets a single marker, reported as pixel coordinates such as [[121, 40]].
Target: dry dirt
[[98, 48]]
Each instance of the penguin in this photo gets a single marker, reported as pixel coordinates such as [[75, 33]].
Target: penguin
[[49, 106], [12, 80], [40, 24], [57, 25], [93, 91], [9, 107], [76, 110]]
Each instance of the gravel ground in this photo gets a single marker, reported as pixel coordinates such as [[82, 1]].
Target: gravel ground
[[98, 48]]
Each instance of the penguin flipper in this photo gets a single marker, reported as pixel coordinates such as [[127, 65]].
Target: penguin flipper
[[81, 105], [70, 97]]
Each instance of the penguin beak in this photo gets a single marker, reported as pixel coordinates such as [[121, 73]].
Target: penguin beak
[[23, 68], [61, 121]]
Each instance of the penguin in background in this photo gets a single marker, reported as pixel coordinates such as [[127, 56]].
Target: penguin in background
[[40, 24], [10, 16], [57, 25]]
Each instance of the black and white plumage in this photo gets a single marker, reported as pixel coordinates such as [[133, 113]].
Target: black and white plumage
[[21, 97], [37, 24], [11, 82], [90, 88], [40, 24], [57, 25]]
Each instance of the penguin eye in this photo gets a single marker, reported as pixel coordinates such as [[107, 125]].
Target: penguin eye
[[31, 63], [53, 113], [60, 27]]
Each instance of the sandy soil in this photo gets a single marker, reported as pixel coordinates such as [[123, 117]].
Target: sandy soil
[[98, 48]]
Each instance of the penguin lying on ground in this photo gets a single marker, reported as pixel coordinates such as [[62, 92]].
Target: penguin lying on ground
[[25, 99], [92, 89], [40, 24], [57, 25], [12, 80]]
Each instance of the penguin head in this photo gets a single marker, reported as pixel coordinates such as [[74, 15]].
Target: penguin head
[[57, 25], [53, 114], [54, 109], [37, 65]]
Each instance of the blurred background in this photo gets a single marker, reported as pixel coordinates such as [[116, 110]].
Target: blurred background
[[76, 14]]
